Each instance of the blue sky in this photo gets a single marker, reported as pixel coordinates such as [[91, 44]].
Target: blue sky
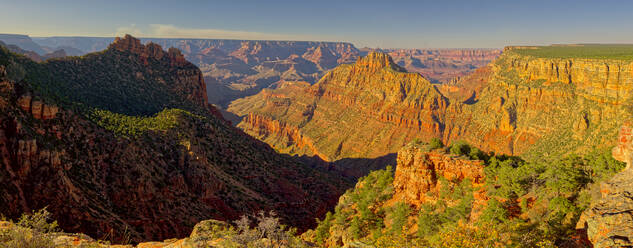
[[386, 24]]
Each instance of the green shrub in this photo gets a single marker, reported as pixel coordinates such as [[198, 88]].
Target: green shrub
[[435, 143], [460, 148]]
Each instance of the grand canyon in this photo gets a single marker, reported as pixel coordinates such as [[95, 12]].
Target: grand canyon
[[325, 132]]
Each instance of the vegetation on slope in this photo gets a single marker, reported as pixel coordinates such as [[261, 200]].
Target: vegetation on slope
[[528, 204], [133, 126]]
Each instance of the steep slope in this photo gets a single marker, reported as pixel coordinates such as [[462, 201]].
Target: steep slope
[[364, 110], [122, 143]]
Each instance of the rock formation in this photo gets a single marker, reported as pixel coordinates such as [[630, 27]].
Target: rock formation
[[364, 110], [55, 153], [535, 105], [418, 171], [518, 105], [609, 220]]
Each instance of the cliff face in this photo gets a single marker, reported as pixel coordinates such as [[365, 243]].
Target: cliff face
[[418, 171], [608, 221], [532, 104], [191, 83], [190, 166], [364, 110]]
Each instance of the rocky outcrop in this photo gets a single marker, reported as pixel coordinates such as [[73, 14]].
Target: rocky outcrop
[[609, 220], [38, 109], [192, 83], [418, 171]]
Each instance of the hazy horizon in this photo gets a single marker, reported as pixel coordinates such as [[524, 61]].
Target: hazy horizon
[[405, 24]]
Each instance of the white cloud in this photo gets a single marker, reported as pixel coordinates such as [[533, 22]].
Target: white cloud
[[132, 30], [171, 31]]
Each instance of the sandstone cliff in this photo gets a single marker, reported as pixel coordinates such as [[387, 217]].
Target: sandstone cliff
[[549, 105]]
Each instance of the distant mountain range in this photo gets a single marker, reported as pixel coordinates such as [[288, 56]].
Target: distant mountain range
[[239, 68]]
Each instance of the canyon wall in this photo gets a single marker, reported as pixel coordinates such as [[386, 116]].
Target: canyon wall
[[549, 105]]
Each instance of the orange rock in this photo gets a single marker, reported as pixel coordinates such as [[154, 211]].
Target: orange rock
[[418, 170]]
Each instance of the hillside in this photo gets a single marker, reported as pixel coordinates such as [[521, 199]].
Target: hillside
[[122, 144]]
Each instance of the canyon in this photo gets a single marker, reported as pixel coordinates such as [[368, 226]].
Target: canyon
[[147, 158], [517, 105]]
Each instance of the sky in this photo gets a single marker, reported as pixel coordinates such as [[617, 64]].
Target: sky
[[378, 24]]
